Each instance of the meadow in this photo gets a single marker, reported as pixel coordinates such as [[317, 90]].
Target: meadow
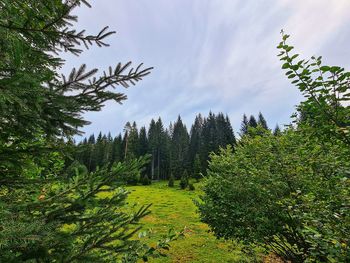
[[174, 208]]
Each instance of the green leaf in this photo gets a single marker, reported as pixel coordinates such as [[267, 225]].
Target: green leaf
[[285, 66]]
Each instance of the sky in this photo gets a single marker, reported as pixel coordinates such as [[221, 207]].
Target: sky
[[209, 55]]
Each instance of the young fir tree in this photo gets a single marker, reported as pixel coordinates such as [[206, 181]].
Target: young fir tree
[[45, 217]]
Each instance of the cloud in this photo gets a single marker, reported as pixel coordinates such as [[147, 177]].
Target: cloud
[[210, 55]]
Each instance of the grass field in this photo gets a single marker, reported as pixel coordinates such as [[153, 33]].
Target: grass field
[[174, 208]]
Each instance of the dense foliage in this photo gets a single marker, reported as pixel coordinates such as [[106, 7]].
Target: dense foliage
[[291, 191]]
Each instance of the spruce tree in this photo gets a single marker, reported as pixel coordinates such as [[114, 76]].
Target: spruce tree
[[252, 122], [143, 142], [209, 139], [262, 122], [195, 141], [41, 111], [184, 180], [179, 148], [116, 153]]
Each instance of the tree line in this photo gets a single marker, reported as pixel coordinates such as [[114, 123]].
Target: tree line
[[173, 149]]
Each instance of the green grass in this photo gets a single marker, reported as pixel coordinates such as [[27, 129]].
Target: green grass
[[174, 208]]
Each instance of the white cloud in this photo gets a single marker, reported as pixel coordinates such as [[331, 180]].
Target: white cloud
[[218, 55]]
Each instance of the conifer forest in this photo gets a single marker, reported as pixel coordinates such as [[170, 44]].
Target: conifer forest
[[238, 182]]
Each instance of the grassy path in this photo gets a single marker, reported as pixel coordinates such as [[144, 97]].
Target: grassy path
[[174, 208]]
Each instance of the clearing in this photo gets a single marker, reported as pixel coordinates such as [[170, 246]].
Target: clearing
[[174, 208]]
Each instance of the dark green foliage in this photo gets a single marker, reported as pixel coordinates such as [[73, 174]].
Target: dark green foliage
[[171, 149], [216, 132], [184, 180], [171, 181]]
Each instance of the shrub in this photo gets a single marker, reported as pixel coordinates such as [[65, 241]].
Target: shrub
[[184, 180], [290, 192], [171, 181]]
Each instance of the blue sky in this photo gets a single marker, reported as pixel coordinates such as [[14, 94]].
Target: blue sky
[[217, 55]]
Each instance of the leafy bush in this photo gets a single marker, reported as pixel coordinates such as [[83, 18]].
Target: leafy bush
[[191, 187], [290, 192]]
